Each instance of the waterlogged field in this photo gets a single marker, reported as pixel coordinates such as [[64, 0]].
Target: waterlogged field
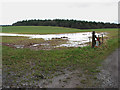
[[26, 67]]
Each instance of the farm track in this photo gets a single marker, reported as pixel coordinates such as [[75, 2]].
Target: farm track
[[71, 79], [0, 78], [109, 71]]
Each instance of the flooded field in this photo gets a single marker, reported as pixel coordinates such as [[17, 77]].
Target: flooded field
[[72, 39], [53, 60]]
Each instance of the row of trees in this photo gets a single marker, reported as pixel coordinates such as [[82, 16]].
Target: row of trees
[[66, 23]]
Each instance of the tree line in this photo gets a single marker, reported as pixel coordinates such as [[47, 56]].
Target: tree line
[[66, 23]]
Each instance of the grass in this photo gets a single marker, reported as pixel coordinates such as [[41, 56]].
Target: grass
[[45, 29], [25, 59], [83, 81], [20, 40], [37, 29], [24, 62]]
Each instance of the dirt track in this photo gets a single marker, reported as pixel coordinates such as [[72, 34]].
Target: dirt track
[[109, 71]]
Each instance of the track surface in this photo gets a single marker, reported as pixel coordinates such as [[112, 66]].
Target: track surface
[[109, 71]]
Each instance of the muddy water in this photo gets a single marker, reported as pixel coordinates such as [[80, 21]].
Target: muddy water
[[74, 39]]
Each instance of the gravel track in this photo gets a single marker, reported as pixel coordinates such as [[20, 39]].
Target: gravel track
[[109, 71]]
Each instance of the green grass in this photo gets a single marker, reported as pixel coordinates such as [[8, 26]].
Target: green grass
[[45, 61], [20, 40], [45, 30], [0, 56], [37, 29], [35, 63]]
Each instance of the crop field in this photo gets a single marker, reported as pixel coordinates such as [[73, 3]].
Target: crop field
[[37, 30], [45, 30], [33, 66]]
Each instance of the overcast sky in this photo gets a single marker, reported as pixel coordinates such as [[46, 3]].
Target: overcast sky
[[90, 10]]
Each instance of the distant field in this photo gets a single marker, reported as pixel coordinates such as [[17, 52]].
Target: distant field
[[45, 29]]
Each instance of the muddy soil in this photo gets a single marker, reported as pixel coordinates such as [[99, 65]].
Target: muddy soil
[[0, 78], [47, 45], [70, 79], [66, 79], [109, 71]]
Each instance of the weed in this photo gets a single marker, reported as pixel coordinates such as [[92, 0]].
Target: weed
[[68, 78], [95, 78], [65, 81], [60, 80], [83, 81], [50, 81]]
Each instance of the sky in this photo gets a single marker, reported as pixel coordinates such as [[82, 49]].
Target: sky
[[12, 11]]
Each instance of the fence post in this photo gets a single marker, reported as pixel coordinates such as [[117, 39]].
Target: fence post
[[102, 38], [99, 39], [93, 39], [89, 40]]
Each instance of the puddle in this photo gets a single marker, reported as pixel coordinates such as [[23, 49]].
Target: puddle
[[46, 44], [35, 45], [74, 39], [19, 46]]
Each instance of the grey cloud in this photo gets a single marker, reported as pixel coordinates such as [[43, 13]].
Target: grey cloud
[[90, 4]]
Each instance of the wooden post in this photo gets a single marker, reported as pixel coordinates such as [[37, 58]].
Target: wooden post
[[102, 38], [89, 40], [93, 39], [99, 39]]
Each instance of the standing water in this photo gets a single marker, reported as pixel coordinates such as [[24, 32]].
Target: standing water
[[74, 39]]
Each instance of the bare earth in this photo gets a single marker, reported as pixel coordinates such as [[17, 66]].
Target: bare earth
[[0, 78], [109, 71]]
